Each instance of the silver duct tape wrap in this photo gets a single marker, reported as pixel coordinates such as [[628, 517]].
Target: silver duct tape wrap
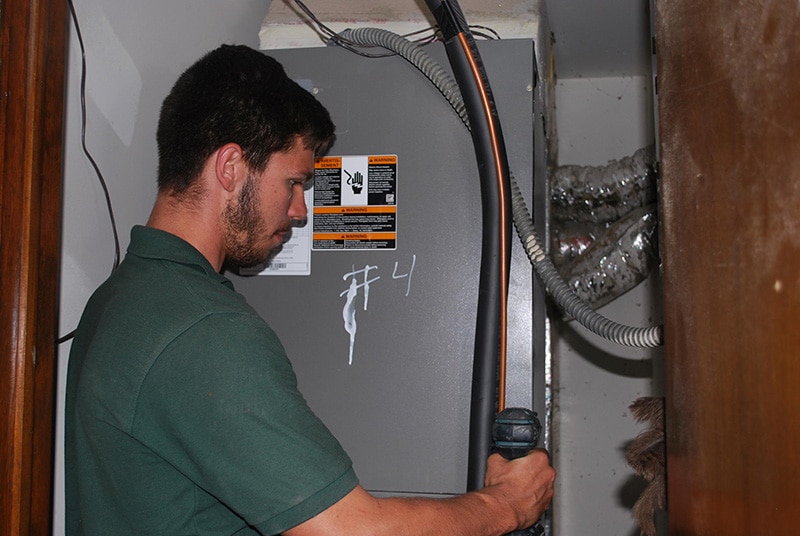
[[617, 261], [602, 194], [569, 240]]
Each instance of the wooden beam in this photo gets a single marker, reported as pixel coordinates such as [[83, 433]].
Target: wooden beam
[[33, 56], [729, 101]]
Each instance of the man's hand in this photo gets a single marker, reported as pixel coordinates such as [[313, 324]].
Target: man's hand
[[525, 484]]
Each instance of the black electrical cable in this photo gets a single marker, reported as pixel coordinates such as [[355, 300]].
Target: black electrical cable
[[490, 339], [88, 154]]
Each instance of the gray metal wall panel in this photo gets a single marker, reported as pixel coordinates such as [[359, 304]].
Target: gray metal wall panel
[[401, 408]]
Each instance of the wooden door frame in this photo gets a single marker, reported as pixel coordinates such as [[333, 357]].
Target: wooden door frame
[[33, 60], [729, 119]]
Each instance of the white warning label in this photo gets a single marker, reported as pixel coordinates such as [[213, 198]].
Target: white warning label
[[355, 202]]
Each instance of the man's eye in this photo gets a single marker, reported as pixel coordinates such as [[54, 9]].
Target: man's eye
[[295, 185], [303, 185]]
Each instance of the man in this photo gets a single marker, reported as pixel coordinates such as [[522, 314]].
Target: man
[[183, 415]]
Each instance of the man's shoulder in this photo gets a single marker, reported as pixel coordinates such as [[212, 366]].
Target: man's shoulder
[[172, 285]]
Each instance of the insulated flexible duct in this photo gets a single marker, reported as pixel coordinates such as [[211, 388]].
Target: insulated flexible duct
[[616, 260], [603, 194], [604, 225], [556, 287]]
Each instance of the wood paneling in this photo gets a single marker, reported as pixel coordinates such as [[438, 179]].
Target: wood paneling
[[729, 101], [31, 116]]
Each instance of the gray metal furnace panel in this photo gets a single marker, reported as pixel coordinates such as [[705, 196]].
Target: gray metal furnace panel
[[401, 408]]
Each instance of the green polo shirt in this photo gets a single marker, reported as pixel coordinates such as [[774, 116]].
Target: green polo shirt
[[182, 413]]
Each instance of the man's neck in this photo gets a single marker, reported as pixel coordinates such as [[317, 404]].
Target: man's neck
[[198, 225]]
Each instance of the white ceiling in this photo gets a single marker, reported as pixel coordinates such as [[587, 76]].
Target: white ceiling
[[593, 38]]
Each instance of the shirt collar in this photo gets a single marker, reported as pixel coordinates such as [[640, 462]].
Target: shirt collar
[[151, 243]]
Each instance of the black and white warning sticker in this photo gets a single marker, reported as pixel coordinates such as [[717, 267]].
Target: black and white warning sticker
[[355, 202]]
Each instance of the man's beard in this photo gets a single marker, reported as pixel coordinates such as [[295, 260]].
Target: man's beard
[[243, 227]]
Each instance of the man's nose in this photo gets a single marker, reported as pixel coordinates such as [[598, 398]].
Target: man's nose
[[297, 207]]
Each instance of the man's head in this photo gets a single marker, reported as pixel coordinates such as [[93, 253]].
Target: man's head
[[234, 94]]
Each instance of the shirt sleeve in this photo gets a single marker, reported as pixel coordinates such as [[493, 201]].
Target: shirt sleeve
[[221, 405]]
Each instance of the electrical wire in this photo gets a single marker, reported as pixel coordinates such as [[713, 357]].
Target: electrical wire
[[334, 37], [89, 156], [432, 38], [339, 39], [476, 30]]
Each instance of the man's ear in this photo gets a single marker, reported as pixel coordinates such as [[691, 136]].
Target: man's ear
[[230, 166]]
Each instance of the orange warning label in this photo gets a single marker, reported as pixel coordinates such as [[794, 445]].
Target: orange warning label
[[328, 162], [354, 236], [385, 159]]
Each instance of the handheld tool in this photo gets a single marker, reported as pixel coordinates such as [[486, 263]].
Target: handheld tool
[[515, 433]]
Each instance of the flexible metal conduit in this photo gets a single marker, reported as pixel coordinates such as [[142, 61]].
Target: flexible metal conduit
[[556, 287]]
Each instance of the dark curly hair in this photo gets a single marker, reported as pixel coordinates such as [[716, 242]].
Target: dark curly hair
[[234, 94]]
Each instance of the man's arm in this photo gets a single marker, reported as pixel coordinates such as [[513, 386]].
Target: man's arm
[[516, 494]]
